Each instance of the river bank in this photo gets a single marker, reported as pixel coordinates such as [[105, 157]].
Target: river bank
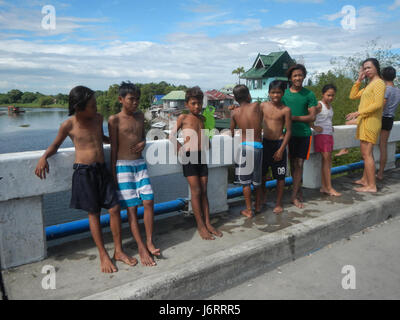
[[35, 105]]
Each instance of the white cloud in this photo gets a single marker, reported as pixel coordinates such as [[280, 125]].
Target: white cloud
[[183, 58], [395, 5]]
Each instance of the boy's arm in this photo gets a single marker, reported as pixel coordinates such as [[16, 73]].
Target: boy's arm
[[288, 125], [233, 124], [106, 139], [308, 118], [42, 167], [139, 147], [173, 135], [113, 132]]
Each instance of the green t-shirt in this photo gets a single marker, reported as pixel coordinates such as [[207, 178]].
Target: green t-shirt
[[299, 103]]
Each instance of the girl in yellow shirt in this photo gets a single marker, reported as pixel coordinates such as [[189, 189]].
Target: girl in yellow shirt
[[369, 118]]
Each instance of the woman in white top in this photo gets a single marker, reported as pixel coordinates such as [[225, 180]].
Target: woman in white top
[[323, 140]]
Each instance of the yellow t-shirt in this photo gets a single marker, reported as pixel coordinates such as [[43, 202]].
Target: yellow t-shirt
[[370, 109]]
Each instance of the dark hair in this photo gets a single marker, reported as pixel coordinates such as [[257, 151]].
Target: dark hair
[[78, 99], [277, 84], [389, 73], [296, 67], [375, 62], [328, 87], [194, 93], [241, 93], [128, 87]]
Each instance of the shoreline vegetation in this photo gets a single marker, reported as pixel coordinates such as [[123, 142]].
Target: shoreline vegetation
[[35, 105]]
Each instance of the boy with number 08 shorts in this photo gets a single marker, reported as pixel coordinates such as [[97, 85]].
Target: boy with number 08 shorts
[[277, 116]]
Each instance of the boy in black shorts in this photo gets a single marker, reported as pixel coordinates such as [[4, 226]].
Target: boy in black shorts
[[194, 164], [93, 186], [276, 117], [302, 103]]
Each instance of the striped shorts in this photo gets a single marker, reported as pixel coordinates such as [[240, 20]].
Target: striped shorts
[[133, 183]]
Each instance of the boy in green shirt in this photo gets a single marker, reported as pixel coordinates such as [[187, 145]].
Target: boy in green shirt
[[302, 103]]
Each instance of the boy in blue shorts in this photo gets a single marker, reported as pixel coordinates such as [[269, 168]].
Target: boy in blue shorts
[[248, 116], [129, 168]]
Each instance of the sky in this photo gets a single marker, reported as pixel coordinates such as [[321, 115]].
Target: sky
[[192, 42]]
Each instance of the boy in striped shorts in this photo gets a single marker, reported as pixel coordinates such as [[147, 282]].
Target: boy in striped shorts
[[128, 140]]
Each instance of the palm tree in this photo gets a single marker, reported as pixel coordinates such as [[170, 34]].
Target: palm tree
[[238, 71]]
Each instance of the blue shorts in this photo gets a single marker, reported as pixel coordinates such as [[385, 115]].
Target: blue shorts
[[133, 183]]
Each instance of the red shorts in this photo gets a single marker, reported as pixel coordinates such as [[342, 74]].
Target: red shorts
[[323, 143]]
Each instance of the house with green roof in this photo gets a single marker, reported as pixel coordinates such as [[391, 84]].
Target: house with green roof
[[265, 69], [174, 100]]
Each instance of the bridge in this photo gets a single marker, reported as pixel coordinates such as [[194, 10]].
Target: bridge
[[190, 267]]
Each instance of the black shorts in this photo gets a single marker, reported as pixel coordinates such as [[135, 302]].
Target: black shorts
[[199, 169], [93, 188], [299, 147], [387, 123], [278, 167]]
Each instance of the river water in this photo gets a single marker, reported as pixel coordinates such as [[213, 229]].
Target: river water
[[36, 129]]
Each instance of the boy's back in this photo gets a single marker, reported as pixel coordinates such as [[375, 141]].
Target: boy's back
[[249, 116]]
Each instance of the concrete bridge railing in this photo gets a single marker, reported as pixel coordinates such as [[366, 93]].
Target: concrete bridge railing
[[22, 229]]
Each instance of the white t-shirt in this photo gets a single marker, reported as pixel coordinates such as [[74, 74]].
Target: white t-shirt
[[324, 119]]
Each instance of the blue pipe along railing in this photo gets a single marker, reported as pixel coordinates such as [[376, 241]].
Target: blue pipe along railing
[[80, 226]]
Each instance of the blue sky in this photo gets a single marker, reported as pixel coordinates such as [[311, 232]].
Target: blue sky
[[98, 43]]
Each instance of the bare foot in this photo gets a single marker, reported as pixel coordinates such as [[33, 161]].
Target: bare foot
[[360, 182], [379, 176], [106, 264], [123, 257], [247, 213], [145, 257], [298, 203], [342, 152], [213, 231], [278, 209], [153, 250], [330, 192], [204, 234], [366, 189]]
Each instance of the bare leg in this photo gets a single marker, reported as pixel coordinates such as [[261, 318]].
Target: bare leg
[[258, 199], [148, 206], [279, 190], [369, 168], [297, 174], [195, 191], [144, 254], [326, 175], [264, 191], [342, 152], [206, 208], [247, 197], [383, 150], [106, 264], [115, 225]]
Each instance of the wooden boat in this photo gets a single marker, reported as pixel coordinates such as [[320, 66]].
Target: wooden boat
[[14, 109]]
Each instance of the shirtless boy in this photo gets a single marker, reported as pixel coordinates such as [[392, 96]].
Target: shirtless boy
[[196, 170], [248, 165], [92, 184], [276, 117], [129, 168]]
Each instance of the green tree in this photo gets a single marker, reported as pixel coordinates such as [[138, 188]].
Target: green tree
[[350, 66], [4, 99], [15, 95], [46, 101], [238, 71], [28, 97]]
